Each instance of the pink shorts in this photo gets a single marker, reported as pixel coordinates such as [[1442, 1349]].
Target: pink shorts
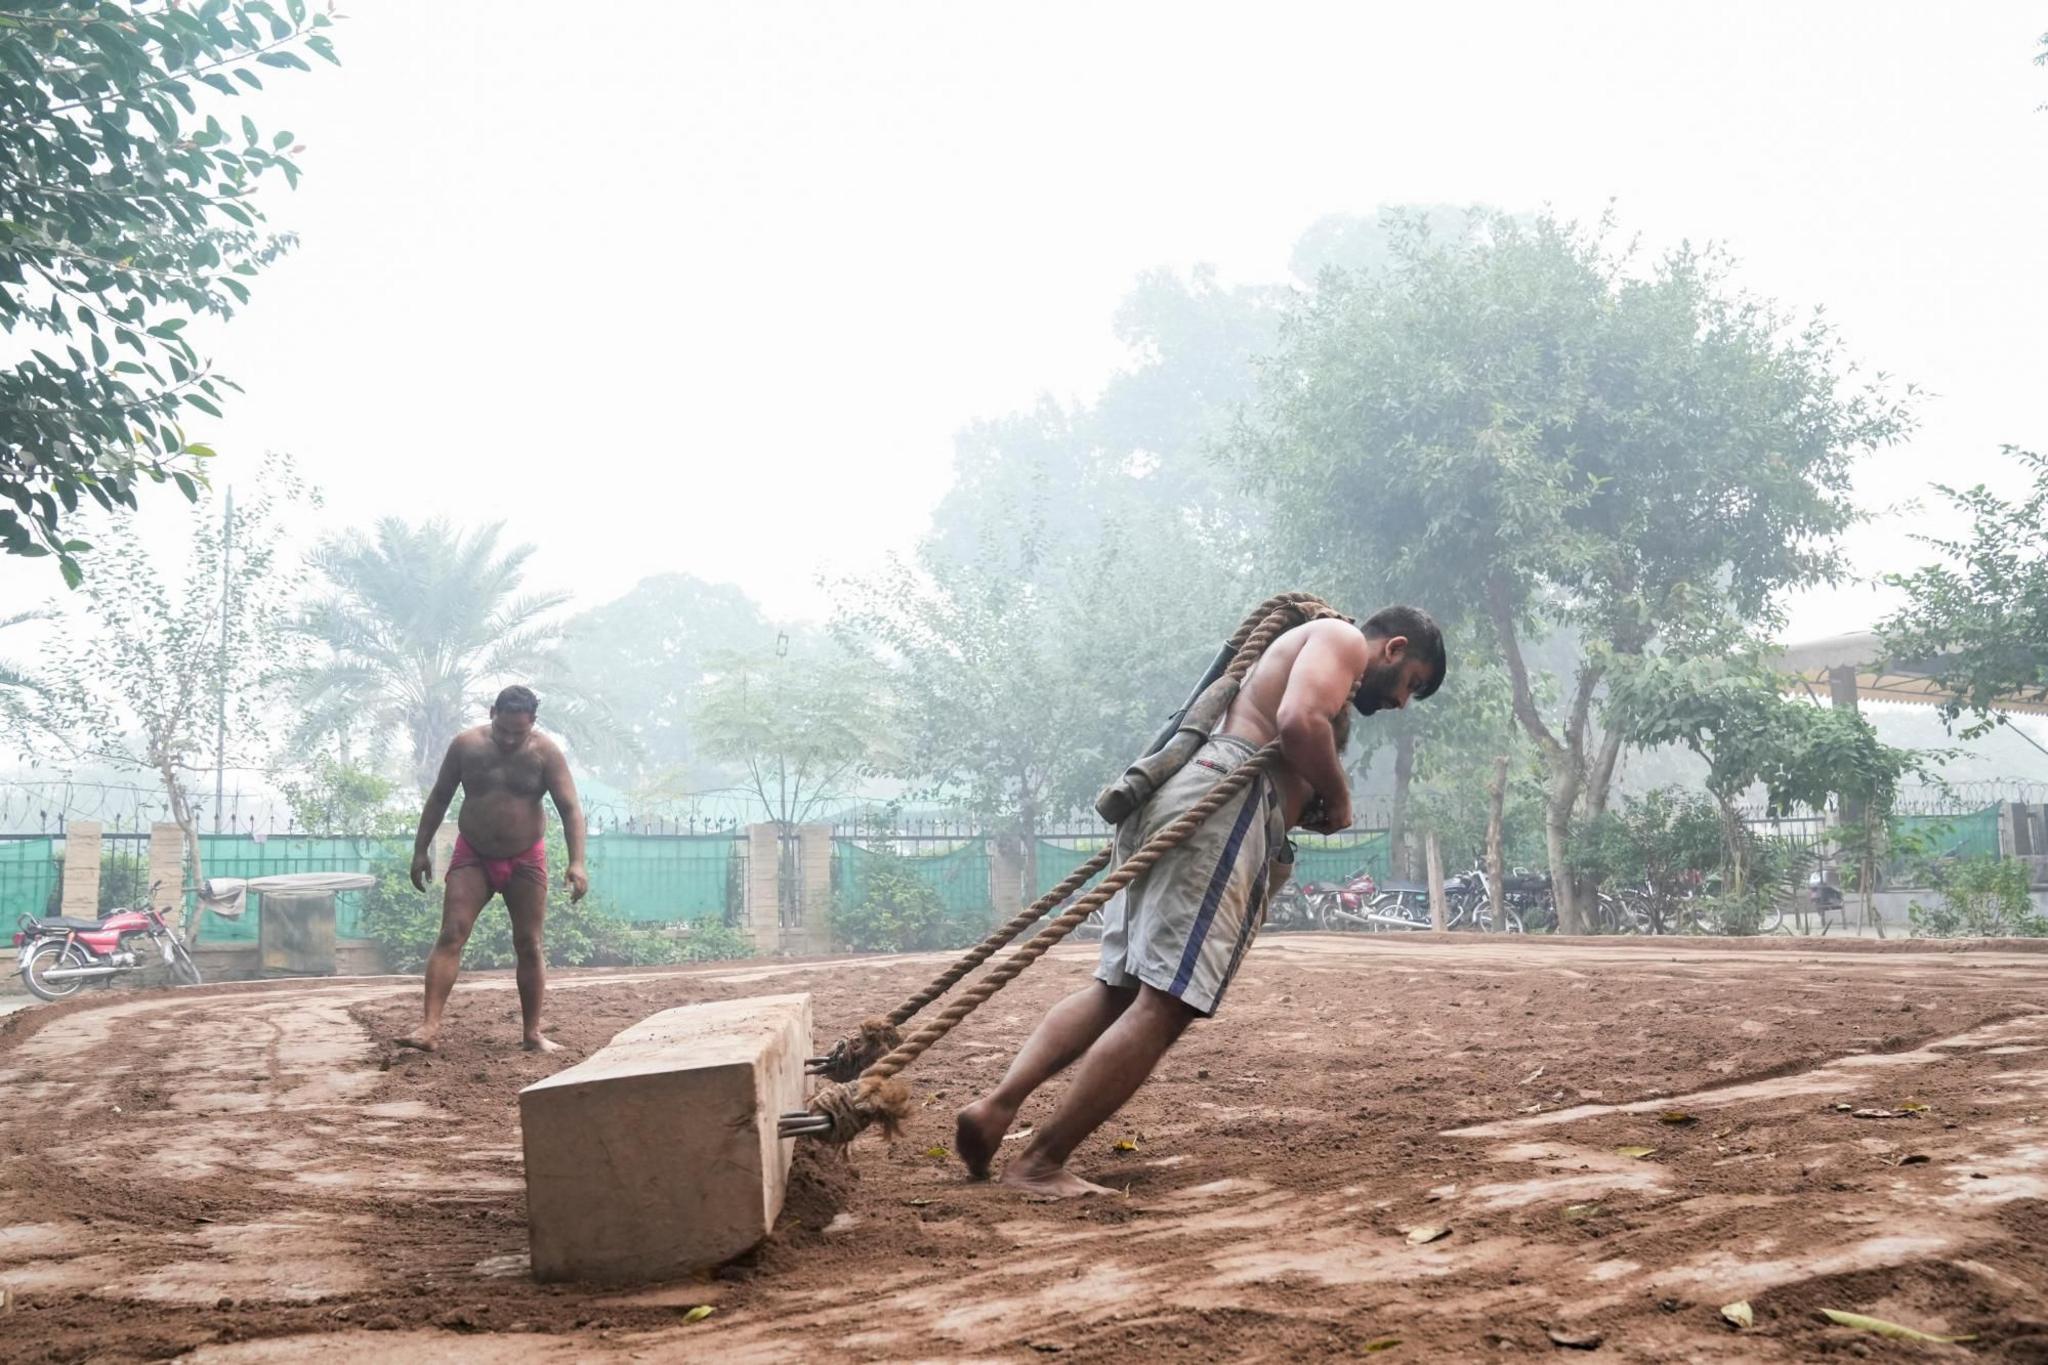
[[499, 872]]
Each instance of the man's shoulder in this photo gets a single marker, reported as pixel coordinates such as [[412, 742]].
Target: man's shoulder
[[466, 741], [1337, 631]]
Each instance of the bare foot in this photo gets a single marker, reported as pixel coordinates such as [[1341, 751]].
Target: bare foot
[[540, 1044], [1048, 1181], [977, 1133], [426, 1040]]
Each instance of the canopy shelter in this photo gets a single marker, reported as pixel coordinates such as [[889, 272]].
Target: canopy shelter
[[1853, 669]]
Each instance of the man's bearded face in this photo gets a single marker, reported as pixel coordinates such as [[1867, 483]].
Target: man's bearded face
[[1377, 689]]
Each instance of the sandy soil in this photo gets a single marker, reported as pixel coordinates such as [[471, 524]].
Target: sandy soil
[[252, 1174]]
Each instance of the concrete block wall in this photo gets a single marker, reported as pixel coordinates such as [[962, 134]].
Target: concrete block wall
[[81, 895], [762, 903]]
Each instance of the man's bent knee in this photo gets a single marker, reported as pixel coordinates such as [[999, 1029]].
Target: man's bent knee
[[528, 949], [1156, 1002]]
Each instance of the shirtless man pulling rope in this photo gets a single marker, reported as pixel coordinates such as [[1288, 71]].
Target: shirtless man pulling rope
[[1172, 941]]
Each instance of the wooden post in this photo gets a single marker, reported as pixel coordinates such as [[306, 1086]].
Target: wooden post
[[1438, 912], [1496, 793]]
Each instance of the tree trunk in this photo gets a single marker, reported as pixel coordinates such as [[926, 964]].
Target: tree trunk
[[1731, 846], [1599, 783], [1397, 819], [181, 812], [1496, 794], [1557, 822], [1563, 759]]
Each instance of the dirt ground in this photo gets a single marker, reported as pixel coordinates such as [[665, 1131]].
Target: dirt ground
[[250, 1174]]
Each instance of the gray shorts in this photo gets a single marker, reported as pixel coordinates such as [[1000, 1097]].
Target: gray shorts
[[1184, 926]]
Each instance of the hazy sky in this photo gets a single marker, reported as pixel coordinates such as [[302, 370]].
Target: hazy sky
[[710, 287]]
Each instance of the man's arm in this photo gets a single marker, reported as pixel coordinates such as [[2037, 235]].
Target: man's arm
[[432, 814], [1318, 688], [562, 787]]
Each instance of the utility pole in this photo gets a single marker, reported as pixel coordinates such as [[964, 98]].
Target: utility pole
[[220, 696]]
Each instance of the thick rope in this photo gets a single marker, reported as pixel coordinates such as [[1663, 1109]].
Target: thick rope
[[878, 1041], [848, 1106], [875, 1038]]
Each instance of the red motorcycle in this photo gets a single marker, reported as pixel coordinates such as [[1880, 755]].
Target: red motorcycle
[[1344, 906], [59, 955]]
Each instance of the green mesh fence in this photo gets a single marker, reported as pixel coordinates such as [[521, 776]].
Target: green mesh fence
[[1955, 836], [660, 879], [28, 877], [959, 875], [1338, 857], [1059, 856]]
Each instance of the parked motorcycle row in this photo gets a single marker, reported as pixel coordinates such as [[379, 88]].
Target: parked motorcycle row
[[1361, 903]]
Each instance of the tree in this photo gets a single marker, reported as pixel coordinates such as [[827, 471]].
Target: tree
[[418, 627], [997, 710], [1978, 622], [122, 204], [1081, 572], [800, 728], [1732, 714], [338, 799], [1527, 432], [151, 666], [1659, 843], [644, 658]]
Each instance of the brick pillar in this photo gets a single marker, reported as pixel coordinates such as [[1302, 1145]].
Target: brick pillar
[[81, 870], [167, 873], [1005, 878], [763, 907], [814, 878]]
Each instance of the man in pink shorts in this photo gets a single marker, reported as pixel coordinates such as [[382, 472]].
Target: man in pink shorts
[[503, 768]]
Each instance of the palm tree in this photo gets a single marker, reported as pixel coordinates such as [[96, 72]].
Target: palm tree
[[421, 625]]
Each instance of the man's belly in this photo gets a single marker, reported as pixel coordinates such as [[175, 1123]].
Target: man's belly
[[501, 824]]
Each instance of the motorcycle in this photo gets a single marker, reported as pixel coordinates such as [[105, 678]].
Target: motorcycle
[[57, 955], [1291, 909], [1344, 905]]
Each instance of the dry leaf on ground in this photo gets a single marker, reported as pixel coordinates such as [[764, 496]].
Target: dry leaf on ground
[[1886, 1329]]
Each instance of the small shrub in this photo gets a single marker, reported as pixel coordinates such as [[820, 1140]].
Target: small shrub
[[1733, 915], [1981, 898], [712, 940], [898, 913]]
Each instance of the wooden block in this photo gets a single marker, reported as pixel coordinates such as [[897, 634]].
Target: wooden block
[[657, 1156]]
